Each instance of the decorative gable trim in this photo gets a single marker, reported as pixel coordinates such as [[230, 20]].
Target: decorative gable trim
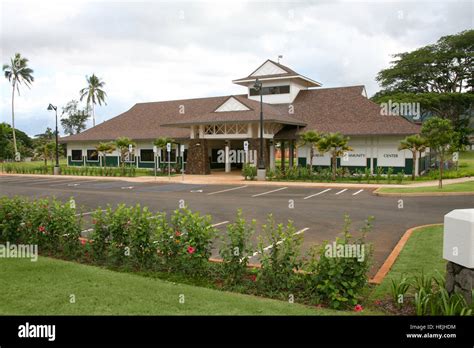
[[232, 104], [268, 68]]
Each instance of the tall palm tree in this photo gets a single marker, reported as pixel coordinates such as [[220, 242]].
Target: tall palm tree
[[94, 93], [311, 139], [415, 144], [17, 73], [336, 144]]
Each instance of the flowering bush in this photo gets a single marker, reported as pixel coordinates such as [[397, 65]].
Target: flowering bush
[[187, 245], [335, 277], [236, 249], [280, 261], [12, 212]]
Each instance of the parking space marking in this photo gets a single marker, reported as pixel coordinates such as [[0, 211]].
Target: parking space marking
[[338, 193], [231, 189], [75, 183], [266, 193], [317, 194], [279, 242], [127, 187], [220, 223], [357, 192]]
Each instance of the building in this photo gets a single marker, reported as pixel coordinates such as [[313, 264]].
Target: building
[[213, 130]]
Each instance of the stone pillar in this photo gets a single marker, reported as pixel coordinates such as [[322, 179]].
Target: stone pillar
[[227, 159], [459, 279], [198, 157], [283, 155], [272, 156], [292, 153]]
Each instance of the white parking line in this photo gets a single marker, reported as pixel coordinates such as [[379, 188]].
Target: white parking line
[[357, 192], [338, 193], [317, 194], [220, 223], [231, 189], [266, 193], [279, 242], [75, 183], [127, 187]]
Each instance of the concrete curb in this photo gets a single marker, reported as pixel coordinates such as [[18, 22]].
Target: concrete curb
[[387, 265]]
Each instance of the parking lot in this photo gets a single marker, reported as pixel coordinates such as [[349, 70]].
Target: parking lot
[[317, 213]]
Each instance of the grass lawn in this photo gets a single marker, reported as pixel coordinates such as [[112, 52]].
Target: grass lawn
[[422, 252], [44, 288], [461, 187]]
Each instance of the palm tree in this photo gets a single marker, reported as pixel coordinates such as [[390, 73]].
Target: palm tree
[[94, 93], [122, 144], [336, 144], [103, 149], [46, 151], [161, 142], [311, 139], [17, 73], [415, 144]]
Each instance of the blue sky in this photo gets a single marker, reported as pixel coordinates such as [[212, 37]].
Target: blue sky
[[160, 50]]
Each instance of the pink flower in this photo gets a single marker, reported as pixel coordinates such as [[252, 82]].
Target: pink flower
[[191, 250], [177, 233], [42, 229], [358, 308], [83, 242], [253, 277], [94, 221]]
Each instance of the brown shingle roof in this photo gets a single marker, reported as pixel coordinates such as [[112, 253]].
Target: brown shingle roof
[[343, 110]]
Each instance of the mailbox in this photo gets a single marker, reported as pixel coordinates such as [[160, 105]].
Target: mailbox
[[458, 239]]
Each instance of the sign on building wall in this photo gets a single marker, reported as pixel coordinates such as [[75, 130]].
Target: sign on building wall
[[356, 158], [390, 157]]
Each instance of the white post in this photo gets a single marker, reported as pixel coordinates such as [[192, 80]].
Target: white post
[[227, 160]]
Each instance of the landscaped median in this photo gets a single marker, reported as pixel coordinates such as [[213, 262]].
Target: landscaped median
[[463, 188]]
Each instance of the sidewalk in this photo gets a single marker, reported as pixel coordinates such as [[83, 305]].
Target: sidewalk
[[235, 178]]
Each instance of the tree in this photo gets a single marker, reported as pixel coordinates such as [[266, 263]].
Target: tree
[[336, 144], [103, 149], [439, 133], [93, 93], [75, 120], [122, 144], [310, 138], [443, 67], [416, 144], [46, 151], [24, 142], [17, 73], [160, 143]]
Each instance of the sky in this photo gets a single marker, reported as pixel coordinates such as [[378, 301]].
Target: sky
[[161, 50]]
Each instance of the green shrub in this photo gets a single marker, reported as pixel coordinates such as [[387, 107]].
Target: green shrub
[[400, 177], [249, 172], [338, 279], [399, 289], [236, 249], [279, 261], [193, 235], [12, 213], [378, 174], [389, 175], [367, 175]]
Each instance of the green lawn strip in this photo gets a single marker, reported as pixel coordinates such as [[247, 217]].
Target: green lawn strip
[[460, 187], [423, 252], [44, 288]]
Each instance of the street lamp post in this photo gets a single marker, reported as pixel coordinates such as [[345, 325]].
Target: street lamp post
[[261, 161], [56, 170]]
